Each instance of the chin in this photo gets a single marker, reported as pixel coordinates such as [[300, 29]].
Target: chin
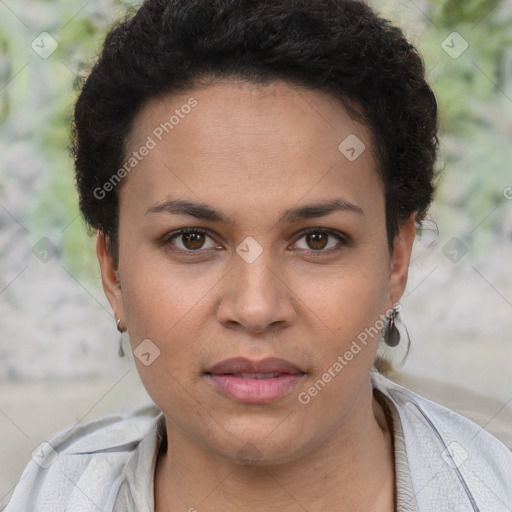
[[254, 442]]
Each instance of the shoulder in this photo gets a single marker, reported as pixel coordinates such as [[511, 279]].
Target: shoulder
[[454, 463], [84, 464]]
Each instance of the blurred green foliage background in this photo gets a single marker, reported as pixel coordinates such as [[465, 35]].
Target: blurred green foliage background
[[474, 92]]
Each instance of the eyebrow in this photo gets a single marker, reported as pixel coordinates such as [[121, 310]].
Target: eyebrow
[[205, 212]]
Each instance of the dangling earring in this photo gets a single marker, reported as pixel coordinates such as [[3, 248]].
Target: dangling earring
[[120, 352], [391, 332]]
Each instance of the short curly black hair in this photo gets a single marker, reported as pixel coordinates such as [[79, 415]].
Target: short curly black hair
[[341, 47]]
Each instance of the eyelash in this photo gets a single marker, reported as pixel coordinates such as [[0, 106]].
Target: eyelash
[[343, 240]]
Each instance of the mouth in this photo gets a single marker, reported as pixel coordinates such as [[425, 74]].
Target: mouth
[[254, 382], [258, 376]]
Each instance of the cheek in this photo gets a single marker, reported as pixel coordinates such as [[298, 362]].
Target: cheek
[[160, 303], [172, 305], [164, 307], [352, 307], [347, 299]]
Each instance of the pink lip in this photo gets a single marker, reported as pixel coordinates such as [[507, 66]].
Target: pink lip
[[225, 377], [244, 365]]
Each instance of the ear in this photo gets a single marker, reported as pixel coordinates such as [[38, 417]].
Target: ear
[[109, 278], [399, 265]]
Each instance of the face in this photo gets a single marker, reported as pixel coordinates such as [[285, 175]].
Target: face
[[253, 259]]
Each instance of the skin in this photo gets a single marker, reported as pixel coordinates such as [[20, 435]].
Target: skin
[[252, 152]]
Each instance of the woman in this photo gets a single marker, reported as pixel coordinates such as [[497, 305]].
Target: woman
[[256, 172]]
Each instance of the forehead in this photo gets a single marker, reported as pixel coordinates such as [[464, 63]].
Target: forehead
[[284, 112], [237, 140]]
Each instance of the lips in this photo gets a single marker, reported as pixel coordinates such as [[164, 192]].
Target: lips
[[259, 376], [254, 382], [241, 365]]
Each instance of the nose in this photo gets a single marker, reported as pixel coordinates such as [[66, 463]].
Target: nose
[[255, 296]]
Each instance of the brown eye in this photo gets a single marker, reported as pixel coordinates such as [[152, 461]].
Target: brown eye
[[193, 241], [190, 240], [317, 240], [321, 241]]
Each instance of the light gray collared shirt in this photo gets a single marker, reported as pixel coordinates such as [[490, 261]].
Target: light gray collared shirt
[[134, 497], [443, 461]]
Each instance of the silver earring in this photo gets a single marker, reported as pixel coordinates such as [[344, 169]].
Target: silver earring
[[120, 351], [391, 332]]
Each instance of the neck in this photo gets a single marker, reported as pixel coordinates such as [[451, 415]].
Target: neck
[[354, 467]]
